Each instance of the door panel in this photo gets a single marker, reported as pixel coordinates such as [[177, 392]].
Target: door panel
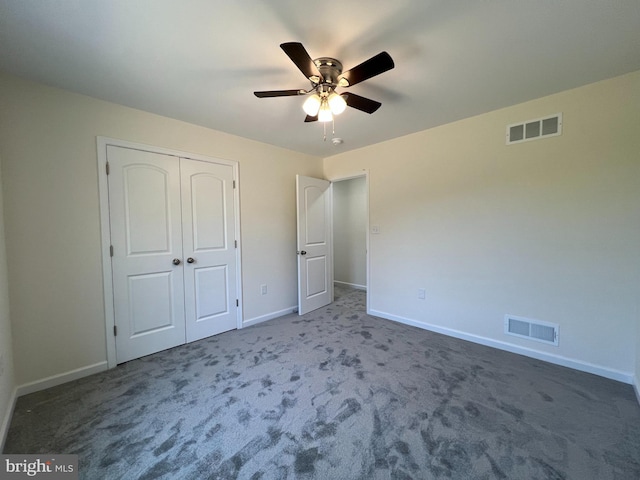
[[211, 292], [147, 216], [146, 236], [316, 275], [150, 312], [210, 281], [209, 212], [315, 266], [315, 218]]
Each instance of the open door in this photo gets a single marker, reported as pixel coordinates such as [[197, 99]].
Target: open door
[[315, 262]]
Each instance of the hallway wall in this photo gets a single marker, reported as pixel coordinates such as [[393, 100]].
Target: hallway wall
[[350, 231]]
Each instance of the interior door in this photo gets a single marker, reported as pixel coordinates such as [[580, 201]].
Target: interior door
[[315, 263], [146, 239], [209, 248]]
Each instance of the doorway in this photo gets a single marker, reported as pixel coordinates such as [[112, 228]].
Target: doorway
[[350, 226]]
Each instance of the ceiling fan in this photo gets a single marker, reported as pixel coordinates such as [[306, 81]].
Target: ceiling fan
[[325, 75]]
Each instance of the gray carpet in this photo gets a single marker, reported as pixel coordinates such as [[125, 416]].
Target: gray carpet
[[336, 394]]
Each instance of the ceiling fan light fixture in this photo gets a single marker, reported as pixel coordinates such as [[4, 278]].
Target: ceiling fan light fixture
[[337, 104], [325, 115], [311, 106], [326, 74]]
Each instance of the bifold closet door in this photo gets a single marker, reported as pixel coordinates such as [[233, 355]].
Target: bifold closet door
[[174, 255], [208, 220], [146, 236]]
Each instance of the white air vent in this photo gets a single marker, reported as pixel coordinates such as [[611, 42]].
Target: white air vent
[[534, 129], [537, 330]]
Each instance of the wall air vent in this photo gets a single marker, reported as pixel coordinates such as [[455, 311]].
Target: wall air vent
[[550, 126], [537, 330]]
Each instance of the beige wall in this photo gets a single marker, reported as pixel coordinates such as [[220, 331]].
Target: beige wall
[[7, 384], [547, 229], [51, 207]]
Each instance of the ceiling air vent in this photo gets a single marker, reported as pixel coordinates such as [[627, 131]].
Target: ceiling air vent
[[537, 330], [534, 129]]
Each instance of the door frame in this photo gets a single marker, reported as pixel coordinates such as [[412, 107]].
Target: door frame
[[364, 173], [105, 228]]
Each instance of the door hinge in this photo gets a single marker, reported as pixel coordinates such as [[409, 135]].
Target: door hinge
[[107, 168], [234, 184], [111, 250], [235, 243], [115, 331], [237, 303]]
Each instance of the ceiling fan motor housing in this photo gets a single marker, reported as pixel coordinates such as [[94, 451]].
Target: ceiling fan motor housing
[[330, 69]]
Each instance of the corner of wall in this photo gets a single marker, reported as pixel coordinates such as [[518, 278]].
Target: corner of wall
[[7, 380], [6, 420], [636, 376]]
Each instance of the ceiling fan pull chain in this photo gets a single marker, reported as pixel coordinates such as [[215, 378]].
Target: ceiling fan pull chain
[[324, 137]]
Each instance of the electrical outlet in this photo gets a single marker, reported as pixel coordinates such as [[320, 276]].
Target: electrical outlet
[[263, 289], [422, 293]]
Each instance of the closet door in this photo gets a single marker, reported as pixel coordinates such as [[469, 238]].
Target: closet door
[[208, 219], [146, 236]]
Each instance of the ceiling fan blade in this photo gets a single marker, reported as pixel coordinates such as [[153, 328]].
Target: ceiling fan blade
[[361, 103], [376, 65], [298, 55], [278, 93], [310, 118]]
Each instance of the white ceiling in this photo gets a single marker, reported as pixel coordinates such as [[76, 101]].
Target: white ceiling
[[200, 60]]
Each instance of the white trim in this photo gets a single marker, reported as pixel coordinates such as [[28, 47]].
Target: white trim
[[269, 316], [331, 252], [238, 234], [368, 222], [105, 229], [625, 377], [352, 285], [105, 237], [6, 422], [60, 378]]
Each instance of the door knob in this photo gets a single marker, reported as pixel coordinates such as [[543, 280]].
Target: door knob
[[303, 252], [176, 261], [191, 260]]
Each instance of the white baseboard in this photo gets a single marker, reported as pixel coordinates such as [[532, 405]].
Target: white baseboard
[[60, 378], [636, 386], [6, 421], [269, 316], [625, 377], [352, 285]]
